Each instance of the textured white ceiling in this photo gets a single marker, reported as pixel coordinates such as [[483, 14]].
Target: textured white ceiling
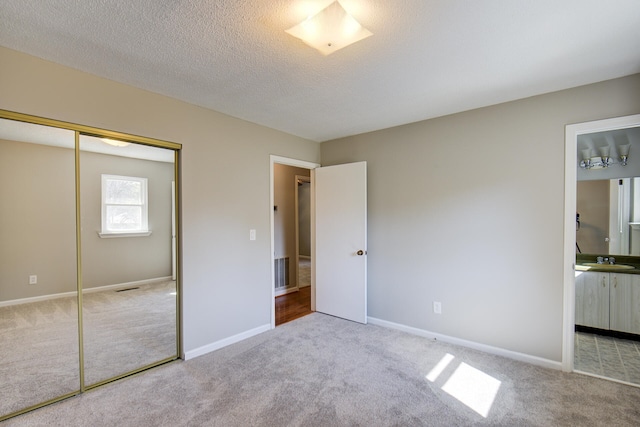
[[426, 58]]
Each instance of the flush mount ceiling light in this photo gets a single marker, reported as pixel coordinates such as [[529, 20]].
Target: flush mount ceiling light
[[114, 142], [330, 30]]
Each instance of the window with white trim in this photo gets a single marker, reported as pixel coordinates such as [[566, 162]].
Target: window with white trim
[[124, 206]]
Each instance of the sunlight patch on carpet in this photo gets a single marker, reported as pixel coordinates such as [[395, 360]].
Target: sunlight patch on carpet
[[473, 387], [441, 366]]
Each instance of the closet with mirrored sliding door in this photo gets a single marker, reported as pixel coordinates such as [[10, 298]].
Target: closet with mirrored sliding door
[[89, 278]]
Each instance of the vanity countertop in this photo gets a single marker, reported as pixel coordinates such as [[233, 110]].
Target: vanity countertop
[[623, 264], [608, 269]]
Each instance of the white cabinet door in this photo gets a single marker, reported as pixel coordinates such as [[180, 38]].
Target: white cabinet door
[[625, 302], [592, 300]]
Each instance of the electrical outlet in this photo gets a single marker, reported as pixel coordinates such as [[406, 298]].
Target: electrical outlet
[[437, 307], [33, 279]]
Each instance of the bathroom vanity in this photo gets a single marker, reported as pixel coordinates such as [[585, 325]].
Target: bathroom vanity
[[608, 300]]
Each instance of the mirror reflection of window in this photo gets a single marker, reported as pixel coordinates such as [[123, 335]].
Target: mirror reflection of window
[[124, 204]]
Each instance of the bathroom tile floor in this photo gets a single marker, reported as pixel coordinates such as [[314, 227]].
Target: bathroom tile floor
[[607, 356]]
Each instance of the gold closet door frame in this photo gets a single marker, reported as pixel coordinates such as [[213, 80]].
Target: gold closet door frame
[[104, 133]]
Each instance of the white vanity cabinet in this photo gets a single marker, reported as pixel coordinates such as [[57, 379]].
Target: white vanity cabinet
[[592, 299], [624, 302], [608, 301]]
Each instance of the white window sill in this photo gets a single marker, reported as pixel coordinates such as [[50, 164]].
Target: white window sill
[[128, 234]]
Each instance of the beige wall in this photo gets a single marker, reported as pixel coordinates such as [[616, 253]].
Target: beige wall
[[467, 210], [38, 226], [37, 220], [126, 259], [225, 183]]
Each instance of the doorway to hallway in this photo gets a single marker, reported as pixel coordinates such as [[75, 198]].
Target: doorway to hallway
[[292, 242], [338, 218], [293, 305]]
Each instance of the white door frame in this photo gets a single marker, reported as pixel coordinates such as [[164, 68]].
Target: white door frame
[[570, 176], [173, 230], [296, 187], [299, 164]]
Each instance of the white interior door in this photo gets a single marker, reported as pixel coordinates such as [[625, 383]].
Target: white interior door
[[341, 241]]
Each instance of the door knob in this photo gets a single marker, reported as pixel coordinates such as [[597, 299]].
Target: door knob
[[360, 252]]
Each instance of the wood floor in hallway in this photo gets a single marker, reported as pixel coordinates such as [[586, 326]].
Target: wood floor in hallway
[[293, 305]]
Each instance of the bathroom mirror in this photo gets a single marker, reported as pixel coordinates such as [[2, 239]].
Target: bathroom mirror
[[609, 222], [608, 199], [39, 355]]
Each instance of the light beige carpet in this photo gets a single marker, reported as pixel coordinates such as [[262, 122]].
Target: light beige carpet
[[123, 331], [323, 371]]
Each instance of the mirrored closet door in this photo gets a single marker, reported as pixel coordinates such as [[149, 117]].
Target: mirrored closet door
[[90, 210], [128, 290], [38, 288]]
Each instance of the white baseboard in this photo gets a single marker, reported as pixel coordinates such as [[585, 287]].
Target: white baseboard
[[522, 357], [37, 299], [126, 285], [86, 291], [225, 342]]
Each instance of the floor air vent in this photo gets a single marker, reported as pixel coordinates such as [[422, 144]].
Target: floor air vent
[[281, 268]]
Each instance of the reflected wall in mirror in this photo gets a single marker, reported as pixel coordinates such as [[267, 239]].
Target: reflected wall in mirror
[[608, 199], [129, 294], [39, 355]]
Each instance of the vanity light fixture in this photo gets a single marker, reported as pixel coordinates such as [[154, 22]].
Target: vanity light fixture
[[604, 160], [114, 142], [624, 153], [330, 30]]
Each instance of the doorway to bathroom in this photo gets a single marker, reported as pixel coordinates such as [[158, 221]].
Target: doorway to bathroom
[[602, 250]]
